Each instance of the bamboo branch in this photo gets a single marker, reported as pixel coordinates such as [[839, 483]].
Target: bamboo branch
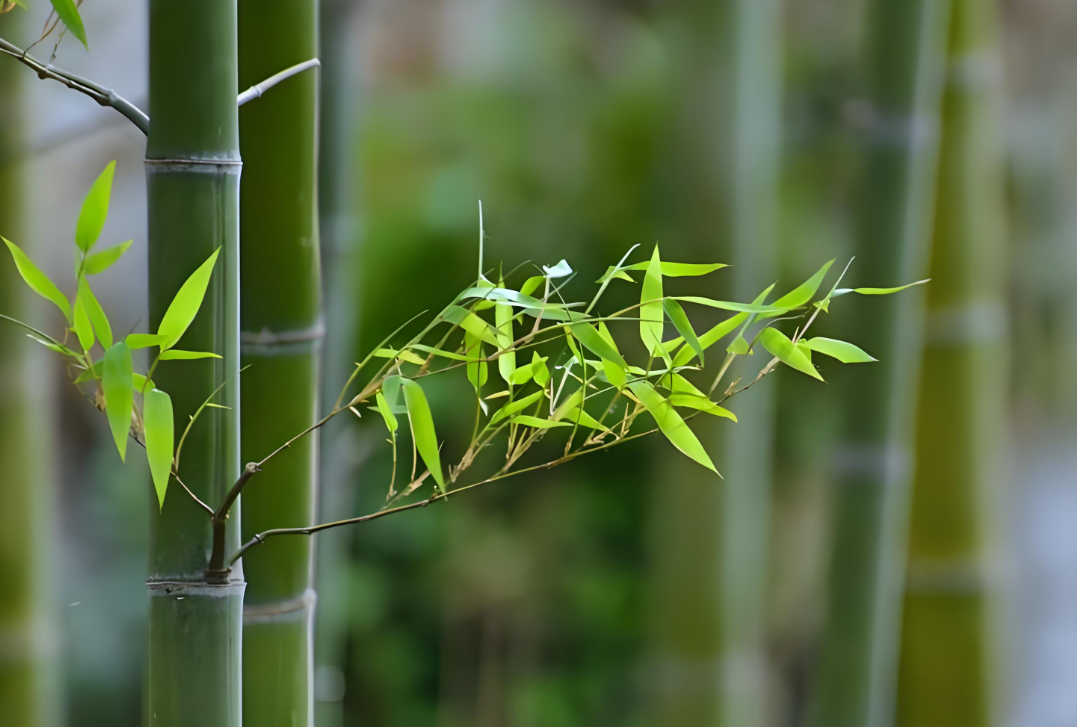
[[103, 96], [258, 89]]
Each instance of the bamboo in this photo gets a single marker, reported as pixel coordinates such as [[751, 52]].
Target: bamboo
[[947, 669], [29, 689], [857, 673], [711, 605], [339, 228], [193, 165], [281, 334]]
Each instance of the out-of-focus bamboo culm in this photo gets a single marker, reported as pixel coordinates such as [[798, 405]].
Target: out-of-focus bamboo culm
[[29, 642], [193, 166], [947, 653], [855, 684], [339, 229], [280, 320], [710, 536]]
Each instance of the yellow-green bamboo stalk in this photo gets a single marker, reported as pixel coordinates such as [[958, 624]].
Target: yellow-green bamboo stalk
[[947, 653], [281, 325], [855, 684]]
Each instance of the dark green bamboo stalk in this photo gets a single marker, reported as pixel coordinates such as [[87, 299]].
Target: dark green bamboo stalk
[[29, 693], [281, 338], [339, 228], [193, 166], [947, 671], [857, 676], [711, 604]]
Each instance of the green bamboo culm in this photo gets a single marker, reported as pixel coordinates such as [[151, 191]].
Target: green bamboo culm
[[193, 167], [948, 659], [281, 339], [29, 642], [711, 535], [856, 681]]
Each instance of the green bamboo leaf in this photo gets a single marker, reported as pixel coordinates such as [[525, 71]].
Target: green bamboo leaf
[[523, 374], [471, 323], [403, 355], [69, 15], [732, 306], [37, 280], [652, 320], [805, 350], [539, 370], [99, 262], [386, 413], [560, 270], [553, 311], [94, 209], [175, 354], [615, 373], [579, 416], [116, 380], [160, 438], [804, 292], [506, 362], [144, 340], [183, 308], [701, 403], [516, 406], [479, 371], [671, 424], [96, 313], [592, 340], [877, 291], [440, 352], [683, 325], [83, 328], [89, 375], [141, 383], [841, 350], [422, 429], [783, 349], [532, 284], [530, 421]]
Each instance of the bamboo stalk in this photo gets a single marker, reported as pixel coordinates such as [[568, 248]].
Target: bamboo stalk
[[857, 674], [29, 684], [712, 535], [947, 673], [281, 338], [193, 166]]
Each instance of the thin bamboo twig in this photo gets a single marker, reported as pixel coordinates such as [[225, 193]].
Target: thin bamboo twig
[[258, 89]]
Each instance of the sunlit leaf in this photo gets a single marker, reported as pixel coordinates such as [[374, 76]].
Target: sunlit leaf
[[783, 349], [804, 292], [96, 313], [94, 208], [404, 355], [579, 416], [586, 334], [141, 383], [732, 306], [516, 406], [144, 340], [471, 323], [553, 311], [841, 350], [160, 437], [532, 284], [652, 319], [530, 421], [440, 352], [701, 403], [615, 373], [99, 262], [539, 370], [83, 327], [479, 371], [560, 270], [683, 325], [183, 308], [37, 280], [877, 291], [386, 413], [671, 424], [506, 362], [174, 354], [422, 429], [116, 380], [69, 14]]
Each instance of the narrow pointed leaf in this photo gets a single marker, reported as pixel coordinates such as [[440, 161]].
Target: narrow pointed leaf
[[422, 429], [183, 308], [783, 349], [83, 327], [174, 354], [68, 13], [577, 415], [479, 371], [804, 292], [683, 325], [591, 339], [530, 421], [144, 340], [652, 319], [671, 424], [386, 413], [99, 262], [841, 350], [94, 208], [471, 323], [701, 403], [506, 362], [733, 306], [141, 383], [116, 380], [615, 373], [96, 313], [539, 370], [515, 406], [560, 270], [877, 291], [160, 438], [37, 280]]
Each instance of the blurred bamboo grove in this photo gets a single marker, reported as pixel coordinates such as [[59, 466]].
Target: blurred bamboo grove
[[892, 548]]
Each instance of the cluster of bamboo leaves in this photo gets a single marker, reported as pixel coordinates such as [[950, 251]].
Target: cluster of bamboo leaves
[[560, 366]]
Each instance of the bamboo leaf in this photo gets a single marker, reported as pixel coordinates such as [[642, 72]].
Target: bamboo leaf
[[530, 421], [141, 383], [99, 262], [144, 340], [83, 328], [532, 284], [579, 416], [652, 320], [175, 354], [37, 280], [586, 334], [183, 308], [804, 292], [422, 429], [471, 323], [386, 413], [615, 374], [539, 370], [671, 424], [116, 380], [560, 270], [96, 313], [877, 291], [403, 355], [506, 362], [477, 372], [553, 311], [516, 406], [440, 352], [702, 404], [69, 14], [841, 350], [783, 349], [683, 325], [160, 438], [94, 208], [731, 306]]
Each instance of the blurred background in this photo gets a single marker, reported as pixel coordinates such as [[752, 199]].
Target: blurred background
[[893, 547]]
